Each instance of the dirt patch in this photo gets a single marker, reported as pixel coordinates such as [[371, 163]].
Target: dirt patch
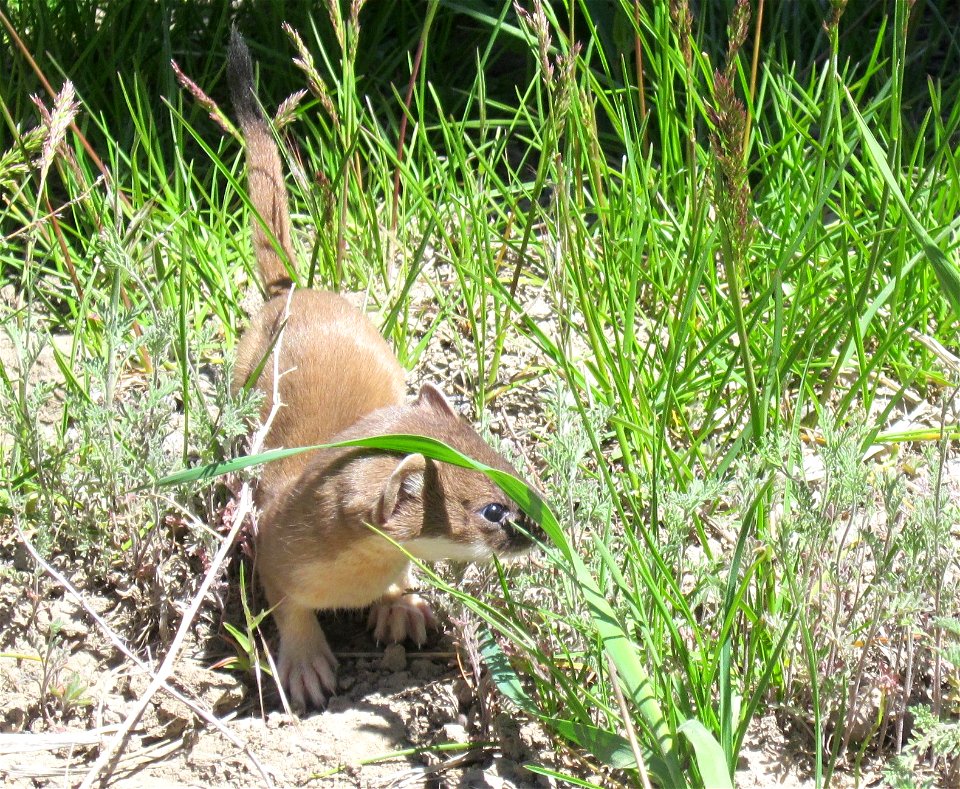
[[400, 718]]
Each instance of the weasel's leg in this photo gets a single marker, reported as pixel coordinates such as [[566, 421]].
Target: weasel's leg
[[400, 614], [306, 664]]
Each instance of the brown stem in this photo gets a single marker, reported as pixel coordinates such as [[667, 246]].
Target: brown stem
[[753, 77], [63, 248], [49, 89]]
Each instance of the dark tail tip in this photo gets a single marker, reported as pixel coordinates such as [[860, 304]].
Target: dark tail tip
[[240, 79]]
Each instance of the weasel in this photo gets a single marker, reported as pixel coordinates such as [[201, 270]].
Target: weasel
[[340, 380]]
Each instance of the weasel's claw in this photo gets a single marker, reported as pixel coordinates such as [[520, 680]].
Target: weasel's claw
[[306, 666], [399, 617]]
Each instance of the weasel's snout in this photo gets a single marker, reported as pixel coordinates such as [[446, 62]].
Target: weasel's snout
[[522, 532]]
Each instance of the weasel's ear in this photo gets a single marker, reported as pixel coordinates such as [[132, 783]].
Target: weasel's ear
[[405, 482], [431, 397]]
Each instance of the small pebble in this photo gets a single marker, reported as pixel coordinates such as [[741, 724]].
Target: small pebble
[[454, 732], [394, 658], [423, 669], [463, 693], [507, 729]]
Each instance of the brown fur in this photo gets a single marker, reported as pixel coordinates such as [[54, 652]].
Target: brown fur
[[340, 380]]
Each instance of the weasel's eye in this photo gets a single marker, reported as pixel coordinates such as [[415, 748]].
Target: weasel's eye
[[493, 512]]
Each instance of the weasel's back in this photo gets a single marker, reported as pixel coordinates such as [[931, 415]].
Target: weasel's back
[[335, 368]]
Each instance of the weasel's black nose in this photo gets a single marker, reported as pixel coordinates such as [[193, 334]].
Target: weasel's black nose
[[523, 531]]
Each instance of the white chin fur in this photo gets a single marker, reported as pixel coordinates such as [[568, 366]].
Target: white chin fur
[[435, 549]]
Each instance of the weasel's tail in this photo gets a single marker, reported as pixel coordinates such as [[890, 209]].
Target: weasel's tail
[[265, 184]]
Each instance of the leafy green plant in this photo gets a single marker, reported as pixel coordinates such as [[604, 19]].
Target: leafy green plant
[[62, 694], [247, 657], [71, 695]]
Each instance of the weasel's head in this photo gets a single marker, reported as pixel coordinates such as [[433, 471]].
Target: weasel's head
[[439, 511]]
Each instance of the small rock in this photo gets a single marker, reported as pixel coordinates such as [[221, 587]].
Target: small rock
[[454, 732], [463, 694], [230, 698], [394, 658], [507, 729], [423, 668], [506, 770], [62, 621], [534, 735], [22, 560], [278, 719]]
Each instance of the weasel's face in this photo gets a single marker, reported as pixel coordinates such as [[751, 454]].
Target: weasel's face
[[467, 518], [437, 510]]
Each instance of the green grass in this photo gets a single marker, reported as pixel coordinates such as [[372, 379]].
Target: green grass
[[720, 311]]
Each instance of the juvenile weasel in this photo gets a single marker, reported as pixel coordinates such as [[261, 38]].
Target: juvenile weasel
[[340, 380]]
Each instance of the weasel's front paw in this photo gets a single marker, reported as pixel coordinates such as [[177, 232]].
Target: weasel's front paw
[[401, 616], [307, 668]]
